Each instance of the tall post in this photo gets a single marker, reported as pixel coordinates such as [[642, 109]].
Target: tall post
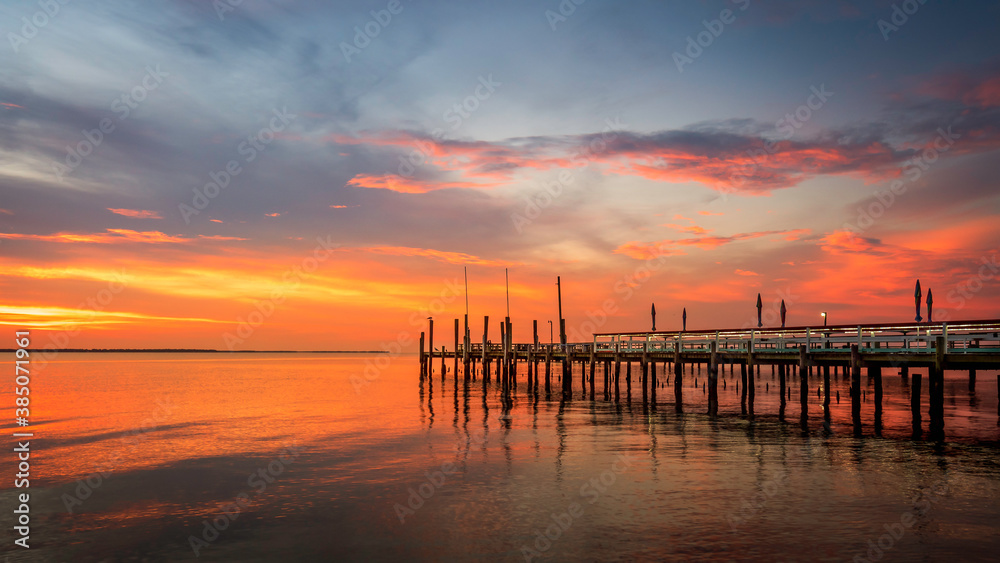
[[804, 383], [430, 347], [562, 338], [456, 349], [423, 359], [548, 366], [678, 376], [503, 354], [876, 372], [743, 388], [781, 383], [856, 389], [936, 390], [826, 394], [467, 343], [567, 368], [645, 375], [751, 384], [512, 353], [486, 338], [713, 381], [534, 347]]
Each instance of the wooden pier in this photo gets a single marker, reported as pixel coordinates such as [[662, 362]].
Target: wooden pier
[[793, 352]]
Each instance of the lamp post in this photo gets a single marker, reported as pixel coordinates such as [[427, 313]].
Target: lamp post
[[824, 317]]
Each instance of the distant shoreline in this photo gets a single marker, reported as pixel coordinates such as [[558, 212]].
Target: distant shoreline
[[198, 350]]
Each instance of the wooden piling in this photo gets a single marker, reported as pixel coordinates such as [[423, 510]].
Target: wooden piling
[[456, 349], [423, 359], [803, 383], [430, 347], [877, 369], [486, 338], [678, 378], [502, 365], [936, 390], [566, 367], [826, 394], [713, 381], [856, 389], [915, 385], [645, 374], [743, 388], [781, 383]]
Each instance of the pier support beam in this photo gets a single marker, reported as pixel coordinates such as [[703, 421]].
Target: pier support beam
[[485, 360], [430, 347], [678, 378], [713, 382], [856, 389], [803, 387], [743, 388], [423, 358], [936, 390], [456, 349], [876, 372]]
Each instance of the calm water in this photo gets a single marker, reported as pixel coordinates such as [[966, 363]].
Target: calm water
[[312, 467]]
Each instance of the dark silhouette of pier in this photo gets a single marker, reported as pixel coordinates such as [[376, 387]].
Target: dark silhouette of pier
[[791, 351]]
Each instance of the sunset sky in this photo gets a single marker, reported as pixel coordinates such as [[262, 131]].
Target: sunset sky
[[168, 169]]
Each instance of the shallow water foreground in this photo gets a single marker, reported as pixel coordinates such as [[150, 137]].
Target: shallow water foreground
[[169, 457]]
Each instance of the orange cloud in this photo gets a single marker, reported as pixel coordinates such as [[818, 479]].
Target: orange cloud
[[403, 185], [136, 213], [61, 318], [839, 242], [740, 272], [112, 236], [441, 255], [642, 251]]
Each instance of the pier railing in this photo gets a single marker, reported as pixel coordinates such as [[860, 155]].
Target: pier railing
[[961, 337]]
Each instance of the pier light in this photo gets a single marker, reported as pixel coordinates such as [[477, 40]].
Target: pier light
[[824, 317]]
